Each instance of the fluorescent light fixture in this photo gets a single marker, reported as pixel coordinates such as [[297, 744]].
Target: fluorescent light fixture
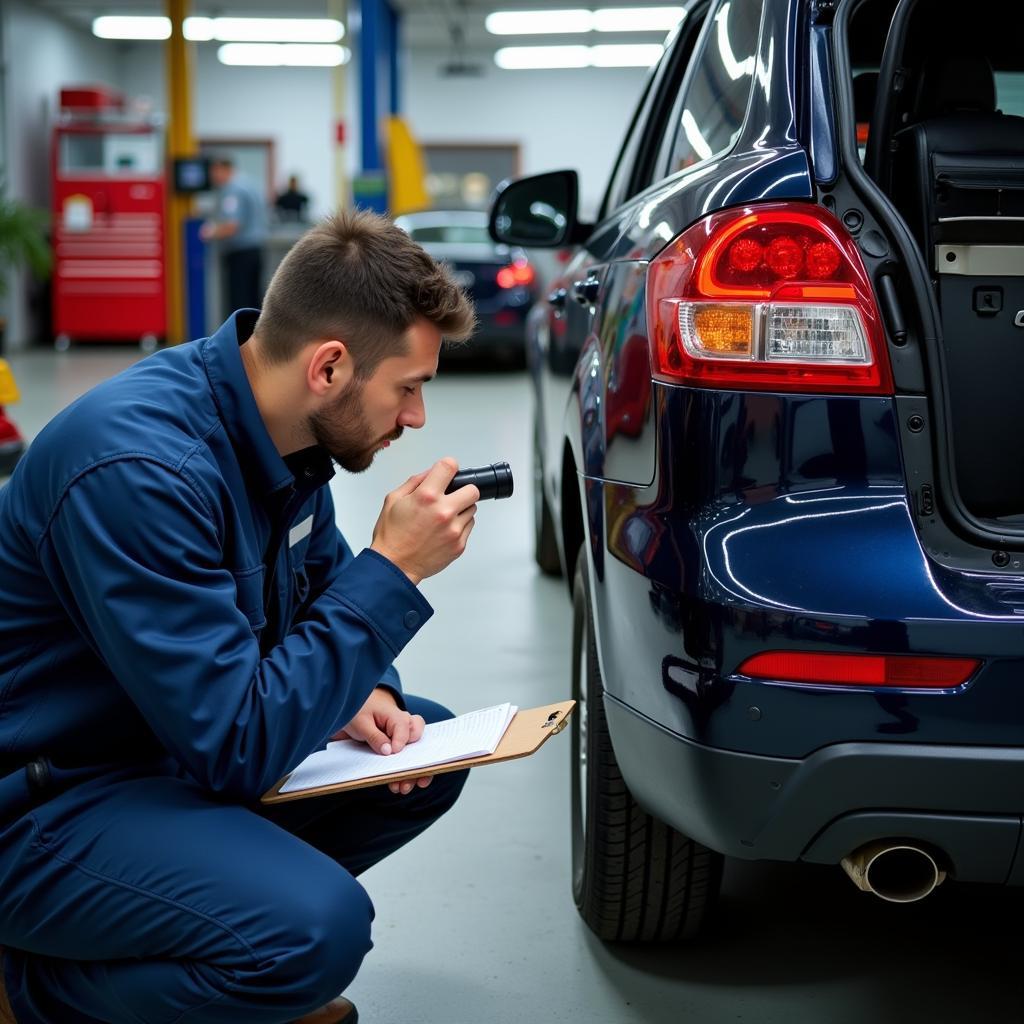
[[277, 30], [637, 19], [244, 30], [199, 30], [119, 26], [294, 55], [565, 22], [625, 55], [525, 23], [532, 58]]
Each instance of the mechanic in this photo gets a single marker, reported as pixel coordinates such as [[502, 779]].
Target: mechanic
[[181, 623], [240, 226]]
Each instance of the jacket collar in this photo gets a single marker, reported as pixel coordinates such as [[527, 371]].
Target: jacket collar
[[258, 456]]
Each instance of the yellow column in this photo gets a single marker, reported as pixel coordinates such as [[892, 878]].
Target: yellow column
[[180, 143]]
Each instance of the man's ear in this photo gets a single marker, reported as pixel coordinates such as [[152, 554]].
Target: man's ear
[[329, 369]]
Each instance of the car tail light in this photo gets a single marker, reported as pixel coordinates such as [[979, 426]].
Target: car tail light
[[516, 275], [897, 670], [773, 297]]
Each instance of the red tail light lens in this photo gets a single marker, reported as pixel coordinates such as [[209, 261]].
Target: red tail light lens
[[901, 671], [516, 275], [773, 297]]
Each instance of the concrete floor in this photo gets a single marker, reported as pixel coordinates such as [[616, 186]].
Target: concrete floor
[[475, 922]]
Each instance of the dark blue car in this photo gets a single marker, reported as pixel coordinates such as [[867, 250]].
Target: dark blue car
[[779, 410]]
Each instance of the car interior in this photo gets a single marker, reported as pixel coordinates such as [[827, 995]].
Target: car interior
[[952, 163]]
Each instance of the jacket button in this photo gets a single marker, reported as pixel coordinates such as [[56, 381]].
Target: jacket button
[[411, 620]]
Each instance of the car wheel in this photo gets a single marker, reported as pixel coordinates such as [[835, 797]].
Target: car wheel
[[635, 879], [545, 547]]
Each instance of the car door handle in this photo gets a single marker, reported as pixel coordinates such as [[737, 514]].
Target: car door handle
[[586, 291], [557, 298]]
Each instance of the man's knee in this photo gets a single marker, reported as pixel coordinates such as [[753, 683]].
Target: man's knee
[[324, 938]]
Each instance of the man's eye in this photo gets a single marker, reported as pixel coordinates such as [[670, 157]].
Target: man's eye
[[409, 391]]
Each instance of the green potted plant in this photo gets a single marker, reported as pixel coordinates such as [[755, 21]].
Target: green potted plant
[[23, 243]]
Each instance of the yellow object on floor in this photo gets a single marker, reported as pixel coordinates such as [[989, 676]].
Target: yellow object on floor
[[8, 389]]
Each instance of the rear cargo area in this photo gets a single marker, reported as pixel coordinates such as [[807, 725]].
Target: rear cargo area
[[945, 143]]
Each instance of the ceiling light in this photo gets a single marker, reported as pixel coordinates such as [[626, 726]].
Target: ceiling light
[[564, 22], [277, 30], [296, 55], [118, 26], [530, 58], [637, 19], [524, 23], [198, 29], [626, 55]]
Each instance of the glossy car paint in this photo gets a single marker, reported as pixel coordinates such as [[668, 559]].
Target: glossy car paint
[[724, 523]]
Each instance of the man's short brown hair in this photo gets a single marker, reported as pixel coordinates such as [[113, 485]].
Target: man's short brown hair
[[358, 278]]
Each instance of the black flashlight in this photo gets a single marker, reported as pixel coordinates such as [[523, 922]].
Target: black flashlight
[[494, 481]]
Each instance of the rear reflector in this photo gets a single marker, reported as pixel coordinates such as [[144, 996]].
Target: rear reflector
[[899, 670]]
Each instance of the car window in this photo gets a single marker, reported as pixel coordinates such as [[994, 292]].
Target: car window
[[615, 195], [462, 233], [717, 89]]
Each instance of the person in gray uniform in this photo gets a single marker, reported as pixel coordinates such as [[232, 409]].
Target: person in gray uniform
[[240, 225]]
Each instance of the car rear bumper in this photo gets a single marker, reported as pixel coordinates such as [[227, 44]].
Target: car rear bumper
[[964, 801]]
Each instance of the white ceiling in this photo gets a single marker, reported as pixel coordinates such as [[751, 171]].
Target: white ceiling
[[427, 24]]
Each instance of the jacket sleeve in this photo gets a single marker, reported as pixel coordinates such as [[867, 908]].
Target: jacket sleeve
[[327, 556], [135, 551]]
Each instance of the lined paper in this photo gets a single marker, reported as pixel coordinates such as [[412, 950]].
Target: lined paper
[[471, 735]]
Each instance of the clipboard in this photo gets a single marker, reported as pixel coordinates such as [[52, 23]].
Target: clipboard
[[526, 733]]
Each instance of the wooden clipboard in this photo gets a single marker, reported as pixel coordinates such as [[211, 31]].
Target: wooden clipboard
[[526, 733]]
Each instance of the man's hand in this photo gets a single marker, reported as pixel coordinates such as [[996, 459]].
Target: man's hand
[[385, 727], [421, 529]]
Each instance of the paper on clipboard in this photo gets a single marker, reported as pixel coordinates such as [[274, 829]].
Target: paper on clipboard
[[471, 735]]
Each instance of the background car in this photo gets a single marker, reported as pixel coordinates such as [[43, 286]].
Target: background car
[[776, 411], [500, 279]]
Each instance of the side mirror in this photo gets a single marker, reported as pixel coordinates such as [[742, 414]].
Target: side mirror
[[538, 212]]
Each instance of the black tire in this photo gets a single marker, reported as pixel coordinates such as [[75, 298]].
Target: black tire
[[545, 545], [635, 879]]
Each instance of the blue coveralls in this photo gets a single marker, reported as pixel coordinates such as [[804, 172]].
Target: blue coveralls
[[180, 624]]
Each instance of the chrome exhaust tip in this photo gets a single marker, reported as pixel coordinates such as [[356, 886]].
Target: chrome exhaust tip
[[900, 872]]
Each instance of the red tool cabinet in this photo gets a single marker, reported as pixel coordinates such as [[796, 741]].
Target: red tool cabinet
[[108, 222]]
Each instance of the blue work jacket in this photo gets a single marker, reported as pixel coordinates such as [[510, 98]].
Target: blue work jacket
[[174, 595]]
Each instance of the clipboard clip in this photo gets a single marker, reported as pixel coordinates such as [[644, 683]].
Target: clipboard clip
[[554, 724]]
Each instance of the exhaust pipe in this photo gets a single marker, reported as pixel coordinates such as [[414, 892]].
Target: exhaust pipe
[[899, 872]]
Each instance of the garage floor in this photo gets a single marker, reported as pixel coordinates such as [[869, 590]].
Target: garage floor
[[475, 922]]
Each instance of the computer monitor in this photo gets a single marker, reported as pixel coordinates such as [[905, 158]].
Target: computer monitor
[[191, 174]]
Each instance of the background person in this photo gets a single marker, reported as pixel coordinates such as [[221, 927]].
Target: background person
[[181, 623], [292, 202], [240, 226]]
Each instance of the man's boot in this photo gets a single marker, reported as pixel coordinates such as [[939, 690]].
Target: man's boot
[[6, 1015], [337, 1011]]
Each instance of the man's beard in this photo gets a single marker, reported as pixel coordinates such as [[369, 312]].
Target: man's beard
[[343, 432]]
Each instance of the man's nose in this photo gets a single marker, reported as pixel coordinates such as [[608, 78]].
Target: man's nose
[[413, 415]]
